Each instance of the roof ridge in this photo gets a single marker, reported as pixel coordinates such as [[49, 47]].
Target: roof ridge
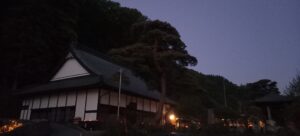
[[99, 54], [90, 50]]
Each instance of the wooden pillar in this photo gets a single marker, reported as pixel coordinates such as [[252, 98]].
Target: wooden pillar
[[269, 113], [210, 116]]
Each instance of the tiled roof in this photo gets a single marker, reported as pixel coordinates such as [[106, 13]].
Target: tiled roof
[[102, 72], [100, 65]]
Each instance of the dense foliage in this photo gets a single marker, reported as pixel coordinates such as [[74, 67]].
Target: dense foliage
[[36, 34], [293, 90], [157, 53], [294, 87]]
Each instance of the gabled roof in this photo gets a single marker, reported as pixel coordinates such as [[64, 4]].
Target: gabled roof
[[70, 68], [102, 72], [102, 66]]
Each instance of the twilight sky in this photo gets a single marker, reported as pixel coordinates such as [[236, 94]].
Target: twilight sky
[[242, 40]]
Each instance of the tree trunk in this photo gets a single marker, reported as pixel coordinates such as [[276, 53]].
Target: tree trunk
[[162, 83], [163, 87]]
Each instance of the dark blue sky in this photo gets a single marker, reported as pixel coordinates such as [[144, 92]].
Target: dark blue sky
[[242, 40]]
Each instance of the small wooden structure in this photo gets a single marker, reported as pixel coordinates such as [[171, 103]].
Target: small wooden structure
[[273, 103]]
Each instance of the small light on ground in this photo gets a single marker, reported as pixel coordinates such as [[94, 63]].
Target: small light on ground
[[172, 117]]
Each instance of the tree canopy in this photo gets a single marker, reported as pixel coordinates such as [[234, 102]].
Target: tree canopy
[[259, 88], [155, 49], [36, 34], [294, 86], [158, 51]]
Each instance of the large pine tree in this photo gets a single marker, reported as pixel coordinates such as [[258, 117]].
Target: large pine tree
[[157, 51]]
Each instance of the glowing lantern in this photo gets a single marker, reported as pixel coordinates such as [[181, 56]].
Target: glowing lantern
[[172, 117]]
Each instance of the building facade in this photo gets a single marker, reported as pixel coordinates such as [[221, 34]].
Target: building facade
[[86, 86]]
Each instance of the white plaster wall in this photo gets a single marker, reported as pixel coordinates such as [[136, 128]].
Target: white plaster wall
[[71, 98], [25, 113], [44, 101], [114, 99], [153, 106], [104, 97], [70, 69], [92, 99], [80, 105], [36, 103], [53, 100], [22, 114], [91, 103], [62, 100], [90, 116], [30, 101], [140, 104]]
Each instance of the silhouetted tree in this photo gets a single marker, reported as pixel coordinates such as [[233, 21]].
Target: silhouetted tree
[[35, 35], [294, 86], [158, 51], [258, 89]]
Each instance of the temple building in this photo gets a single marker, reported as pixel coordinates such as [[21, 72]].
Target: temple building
[[273, 105], [86, 86]]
